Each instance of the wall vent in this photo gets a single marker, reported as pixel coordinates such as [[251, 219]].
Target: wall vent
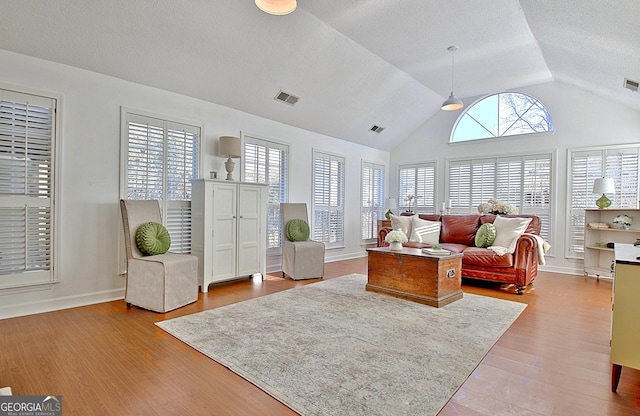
[[631, 85], [286, 98], [376, 129]]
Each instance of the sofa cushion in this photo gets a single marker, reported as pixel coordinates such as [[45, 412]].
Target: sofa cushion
[[533, 228], [402, 222], [460, 229], [508, 230], [424, 231], [486, 235], [485, 257]]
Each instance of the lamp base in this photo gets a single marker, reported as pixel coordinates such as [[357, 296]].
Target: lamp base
[[603, 202], [229, 165], [387, 215]]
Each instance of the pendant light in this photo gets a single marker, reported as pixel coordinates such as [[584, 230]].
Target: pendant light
[[277, 7], [452, 103]]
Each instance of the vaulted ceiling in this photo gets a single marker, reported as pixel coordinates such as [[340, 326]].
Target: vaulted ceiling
[[353, 63]]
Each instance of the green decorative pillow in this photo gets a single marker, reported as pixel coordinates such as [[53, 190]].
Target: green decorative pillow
[[486, 235], [152, 238], [297, 230]]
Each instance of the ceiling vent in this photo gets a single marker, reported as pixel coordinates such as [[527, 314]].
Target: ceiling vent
[[286, 98], [631, 85], [376, 129]]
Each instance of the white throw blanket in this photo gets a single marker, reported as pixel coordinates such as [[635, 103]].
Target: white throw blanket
[[543, 247]]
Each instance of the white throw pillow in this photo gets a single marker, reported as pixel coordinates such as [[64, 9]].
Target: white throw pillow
[[508, 230], [402, 222], [424, 231]]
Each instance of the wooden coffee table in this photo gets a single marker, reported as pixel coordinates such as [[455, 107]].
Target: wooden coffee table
[[410, 274]]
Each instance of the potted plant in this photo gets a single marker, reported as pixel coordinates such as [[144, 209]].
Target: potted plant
[[395, 239]]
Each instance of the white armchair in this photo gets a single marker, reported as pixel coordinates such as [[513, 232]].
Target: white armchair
[[162, 282], [300, 259]]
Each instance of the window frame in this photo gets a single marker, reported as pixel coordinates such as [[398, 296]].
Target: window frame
[[274, 208], [490, 165], [176, 214], [25, 279], [319, 232], [375, 210], [466, 113], [574, 219], [402, 202]]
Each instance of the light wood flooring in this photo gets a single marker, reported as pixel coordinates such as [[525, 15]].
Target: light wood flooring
[[106, 359]]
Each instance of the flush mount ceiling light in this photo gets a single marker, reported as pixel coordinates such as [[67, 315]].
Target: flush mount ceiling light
[[452, 103], [277, 7]]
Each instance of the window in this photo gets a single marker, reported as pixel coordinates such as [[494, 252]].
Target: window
[[161, 159], [522, 181], [27, 142], [268, 162], [418, 181], [372, 199], [328, 199], [619, 163], [499, 115]]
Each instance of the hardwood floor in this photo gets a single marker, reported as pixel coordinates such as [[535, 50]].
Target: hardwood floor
[[107, 359]]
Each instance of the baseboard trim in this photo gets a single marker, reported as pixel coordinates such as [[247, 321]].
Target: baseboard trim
[[66, 302]]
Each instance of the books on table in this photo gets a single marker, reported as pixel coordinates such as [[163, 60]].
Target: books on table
[[436, 252]]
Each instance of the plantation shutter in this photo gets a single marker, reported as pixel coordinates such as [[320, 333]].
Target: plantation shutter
[[619, 163], [522, 181], [267, 162], [27, 126], [328, 199], [162, 159], [372, 199], [417, 180]]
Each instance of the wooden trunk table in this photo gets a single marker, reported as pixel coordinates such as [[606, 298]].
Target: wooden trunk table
[[410, 274]]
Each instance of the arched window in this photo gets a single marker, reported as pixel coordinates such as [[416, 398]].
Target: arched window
[[503, 114]]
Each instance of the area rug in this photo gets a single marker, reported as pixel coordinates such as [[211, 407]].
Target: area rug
[[332, 348]]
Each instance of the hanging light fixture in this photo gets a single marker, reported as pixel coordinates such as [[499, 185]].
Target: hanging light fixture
[[277, 7], [452, 103]]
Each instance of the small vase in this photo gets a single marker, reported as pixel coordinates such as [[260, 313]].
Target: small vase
[[395, 246]]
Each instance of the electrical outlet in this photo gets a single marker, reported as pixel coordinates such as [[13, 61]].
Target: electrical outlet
[[451, 273]]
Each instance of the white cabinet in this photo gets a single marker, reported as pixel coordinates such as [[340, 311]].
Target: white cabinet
[[228, 229], [600, 230]]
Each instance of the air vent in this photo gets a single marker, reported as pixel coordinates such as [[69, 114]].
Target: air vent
[[286, 98], [376, 129], [631, 85]]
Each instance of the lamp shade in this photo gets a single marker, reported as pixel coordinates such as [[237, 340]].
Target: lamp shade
[[229, 146], [277, 7], [452, 103], [390, 203], [603, 186]]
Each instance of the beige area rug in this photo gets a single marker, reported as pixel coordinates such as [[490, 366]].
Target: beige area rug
[[332, 348]]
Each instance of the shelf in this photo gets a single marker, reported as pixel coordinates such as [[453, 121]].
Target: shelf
[[599, 248], [631, 230], [598, 271]]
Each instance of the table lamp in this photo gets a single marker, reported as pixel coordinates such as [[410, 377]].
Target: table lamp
[[390, 204], [231, 147], [602, 186]]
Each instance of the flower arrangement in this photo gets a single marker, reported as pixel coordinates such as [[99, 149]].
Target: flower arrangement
[[412, 200], [493, 206], [622, 221], [396, 236]]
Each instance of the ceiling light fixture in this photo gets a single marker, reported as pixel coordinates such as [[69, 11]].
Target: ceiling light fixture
[[452, 103], [277, 7]]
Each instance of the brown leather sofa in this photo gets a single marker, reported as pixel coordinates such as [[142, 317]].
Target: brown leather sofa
[[457, 234]]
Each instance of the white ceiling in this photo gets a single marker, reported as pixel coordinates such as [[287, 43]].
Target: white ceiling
[[353, 63]]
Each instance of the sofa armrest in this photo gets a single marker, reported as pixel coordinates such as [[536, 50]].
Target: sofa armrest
[[525, 260], [382, 233]]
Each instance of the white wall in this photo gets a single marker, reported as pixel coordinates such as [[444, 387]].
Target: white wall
[[581, 119], [89, 224]]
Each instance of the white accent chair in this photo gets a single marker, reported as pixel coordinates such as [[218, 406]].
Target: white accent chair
[[300, 259], [162, 282]]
